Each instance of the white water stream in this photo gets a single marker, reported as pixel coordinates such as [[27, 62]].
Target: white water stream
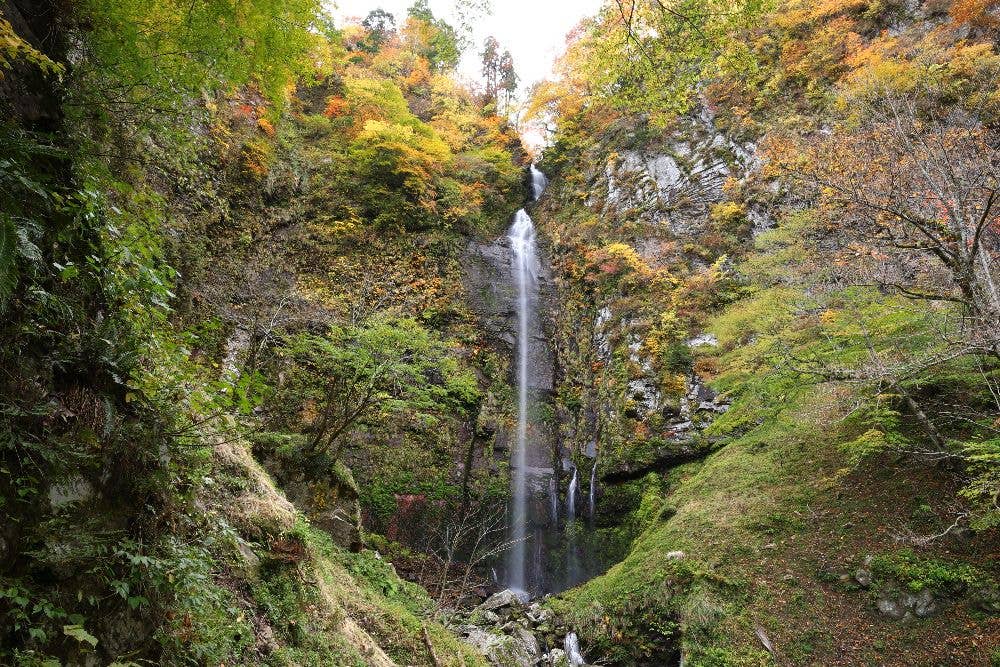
[[525, 263]]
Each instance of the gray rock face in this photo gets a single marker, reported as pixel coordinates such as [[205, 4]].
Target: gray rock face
[[70, 490], [676, 183], [489, 282], [329, 500]]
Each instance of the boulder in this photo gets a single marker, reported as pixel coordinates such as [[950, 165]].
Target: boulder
[[505, 598], [891, 608], [517, 650], [902, 605], [922, 604], [557, 658]]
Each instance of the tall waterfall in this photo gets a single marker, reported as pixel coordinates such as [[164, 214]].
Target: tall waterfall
[[525, 263]]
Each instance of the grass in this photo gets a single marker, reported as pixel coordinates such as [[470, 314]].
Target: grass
[[770, 524], [319, 603]]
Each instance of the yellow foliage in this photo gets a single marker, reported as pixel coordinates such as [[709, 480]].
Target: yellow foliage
[[727, 212]]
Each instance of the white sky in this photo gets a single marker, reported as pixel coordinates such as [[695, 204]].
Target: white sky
[[533, 30]]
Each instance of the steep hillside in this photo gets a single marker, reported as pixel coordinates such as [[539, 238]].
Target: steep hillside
[[764, 327], [230, 272]]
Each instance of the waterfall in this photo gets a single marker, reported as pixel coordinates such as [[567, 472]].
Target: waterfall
[[525, 261], [572, 555], [538, 182], [522, 243], [572, 647], [574, 484]]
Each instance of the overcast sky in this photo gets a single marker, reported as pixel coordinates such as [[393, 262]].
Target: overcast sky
[[534, 30]]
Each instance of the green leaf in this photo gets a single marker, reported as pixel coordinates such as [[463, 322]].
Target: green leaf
[[79, 634], [8, 265]]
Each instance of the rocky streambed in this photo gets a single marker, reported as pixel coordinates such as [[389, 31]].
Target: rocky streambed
[[514, 632]]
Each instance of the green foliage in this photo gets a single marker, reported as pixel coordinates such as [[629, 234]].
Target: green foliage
[[916, 573], [13, 48], [369, 373], [433, 38], [670, 49], [160, 55]]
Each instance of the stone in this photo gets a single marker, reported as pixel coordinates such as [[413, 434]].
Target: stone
[[505, 598], [518, 650], [674, 555], [988, 600], [528, 642], [70, 490], [922, 604], [891, 608], [863, 577], [251, 563], [557, 658]]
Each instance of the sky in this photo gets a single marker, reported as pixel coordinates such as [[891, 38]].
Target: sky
[[533, 30]]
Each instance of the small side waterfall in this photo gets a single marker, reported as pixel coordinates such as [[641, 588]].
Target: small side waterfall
[[572, 647], [538, 182], [574, 484]]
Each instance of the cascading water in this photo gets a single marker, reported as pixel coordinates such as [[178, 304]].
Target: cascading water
[[525, 263], [572, 555], [574, 484], [522, 242], [538, 182], [572, 647]]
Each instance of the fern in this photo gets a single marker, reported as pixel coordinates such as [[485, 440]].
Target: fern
[[8, 260]]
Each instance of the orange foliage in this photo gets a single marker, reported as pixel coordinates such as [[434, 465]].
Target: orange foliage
[[336, 107], [979, 13]]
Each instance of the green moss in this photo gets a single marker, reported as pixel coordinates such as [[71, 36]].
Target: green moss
[[943, 578]]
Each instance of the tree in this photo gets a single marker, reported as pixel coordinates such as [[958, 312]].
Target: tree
[[433, 38], [508, 80], [491, 69], [358, 373], [651, 56], [140, 57], [917, 199], [381, 26]]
